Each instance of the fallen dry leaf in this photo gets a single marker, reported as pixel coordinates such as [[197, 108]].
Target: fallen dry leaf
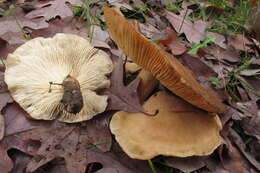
[[173, 42], [195, 32], [4, 94], [240, 42], [16, 120], [11, 24], [65, 25], [122, 97], [51, 9], [188, 164], [2, 126], [242, 148], [202, 72], [20, 160], [233, 161], [229, 55], [13, 142], [148, 30], [58, 140]]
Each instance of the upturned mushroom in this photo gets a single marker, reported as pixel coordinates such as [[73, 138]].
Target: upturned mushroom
[[179, 129], [57, 78], [166, 68]]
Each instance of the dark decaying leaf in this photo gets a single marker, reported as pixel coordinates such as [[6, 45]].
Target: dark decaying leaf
[[12, 30], [20, 160], [173, 42], [57, 140], [233, 161], [16, 121], [187, 164], [12, 142], [242, 148], [195, 32], [15, 24], [240, 42], [2, 126], [52, 9], [65, 25], [202, 72], [252, 125], [4, 94], [229, 55], [122, 97]]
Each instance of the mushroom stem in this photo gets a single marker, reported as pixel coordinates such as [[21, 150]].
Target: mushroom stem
[[147, 84]]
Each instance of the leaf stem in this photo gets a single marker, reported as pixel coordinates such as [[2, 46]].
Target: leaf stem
[[152, 166]]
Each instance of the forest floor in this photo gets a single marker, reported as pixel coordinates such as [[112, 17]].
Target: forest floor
[[218, 41]]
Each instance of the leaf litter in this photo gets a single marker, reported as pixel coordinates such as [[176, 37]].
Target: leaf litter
[[81, 147]]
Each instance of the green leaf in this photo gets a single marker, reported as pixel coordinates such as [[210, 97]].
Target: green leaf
[[197, 46], [215, 82]]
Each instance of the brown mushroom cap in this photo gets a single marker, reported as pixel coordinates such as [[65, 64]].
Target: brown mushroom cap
[[179, 129], [166, 68], [32, 66]]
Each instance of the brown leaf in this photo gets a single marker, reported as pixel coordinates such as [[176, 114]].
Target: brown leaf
[[58, 140], [20, 160], [252, 126], [65, 25], [229, 55], [174, 43], [187, 164], [148, 30], [16, 121], [4, 94], [52, 9], [2, 126], [99, 37], [70, 142], [249, 72], [202, 72], [11, 24], [122, 97], [241, 146], [9, 143], [195, 32], [233, 161], [240, 42]]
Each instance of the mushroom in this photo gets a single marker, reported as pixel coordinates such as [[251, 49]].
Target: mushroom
[[166, 68], [179, 129], [57, 78]]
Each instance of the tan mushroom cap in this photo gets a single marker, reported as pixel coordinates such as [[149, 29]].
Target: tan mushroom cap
[[179, 129], [31, 67], [166, 68]]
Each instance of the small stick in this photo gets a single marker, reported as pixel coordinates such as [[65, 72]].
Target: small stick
[[52, 83]]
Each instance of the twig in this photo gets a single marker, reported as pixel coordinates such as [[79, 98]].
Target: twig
[[183, 20]]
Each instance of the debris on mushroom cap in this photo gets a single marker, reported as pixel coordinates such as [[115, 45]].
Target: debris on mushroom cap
[[179, 129], [166, 68], [48, 76]]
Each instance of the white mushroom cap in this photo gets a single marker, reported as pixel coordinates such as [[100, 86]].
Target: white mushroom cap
[[42, 60]]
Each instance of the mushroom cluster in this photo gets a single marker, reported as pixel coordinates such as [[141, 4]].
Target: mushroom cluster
[[179, 129], [57, 78]]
